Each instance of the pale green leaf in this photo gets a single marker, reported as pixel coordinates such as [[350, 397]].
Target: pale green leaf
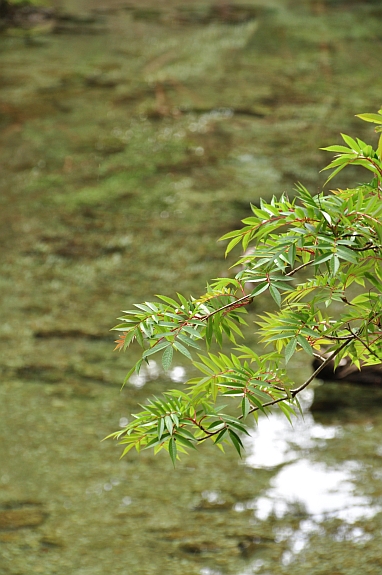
[[167, 357]]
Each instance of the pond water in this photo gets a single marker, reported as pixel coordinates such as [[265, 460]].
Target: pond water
[[132, 137]]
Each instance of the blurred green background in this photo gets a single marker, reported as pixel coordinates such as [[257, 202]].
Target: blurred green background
[[132, 136]]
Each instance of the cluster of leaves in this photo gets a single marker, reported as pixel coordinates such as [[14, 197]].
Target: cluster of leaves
[[309, 252]]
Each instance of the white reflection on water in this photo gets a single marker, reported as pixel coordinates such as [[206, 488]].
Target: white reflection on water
[[152, 371], [275, 441], [309, 488], [177, 374], [315, 489]]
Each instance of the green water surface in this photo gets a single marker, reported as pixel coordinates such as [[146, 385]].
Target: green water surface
[[132, 136]]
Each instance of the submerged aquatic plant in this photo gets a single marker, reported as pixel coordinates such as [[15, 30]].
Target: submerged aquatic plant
[[308, 252]]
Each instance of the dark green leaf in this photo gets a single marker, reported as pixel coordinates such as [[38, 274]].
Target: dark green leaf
[[259, 289], [245, 406], [275, 294], [290, 349], [209, 331], [235, 441], [172, 450], [304, 344]]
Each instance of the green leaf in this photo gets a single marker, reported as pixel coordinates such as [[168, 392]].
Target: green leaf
[[259, 289], [290, 349], [168, 300], [287, 410], [232, 244], [185, 432], [275, 294], [209, 331], [167, 357], [245, 406], [179, 347], [374, 118], [291, 255], [187, 340], [128, 375], [192, 331], [304, 344], [379, 149], [347, 254], [217, 329], [127, 449], [169, 423], [160, 427], [351, 143], [184, 441], [172, 450], [221, 436], [156, 348], [236, 441], [334, 173], [323, 258], [327, 217], [183, 301], [335, 264], [139, 336], [229, 235], [341, 149], [373, 280]]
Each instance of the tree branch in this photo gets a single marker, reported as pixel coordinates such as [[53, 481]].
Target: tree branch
[[293, 392]]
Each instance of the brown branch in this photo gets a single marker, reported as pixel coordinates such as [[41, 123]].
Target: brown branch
[[363, 343], [374, 164], [366, 247], [228, 305], [298, 268], [293, 392], [367, 216]]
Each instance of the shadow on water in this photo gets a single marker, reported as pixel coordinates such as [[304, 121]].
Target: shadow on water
[[132, 136]]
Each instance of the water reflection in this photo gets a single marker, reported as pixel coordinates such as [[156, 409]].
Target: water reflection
[[275, 441], [100, 180], [316, 490], [310, 491], [151, 371]]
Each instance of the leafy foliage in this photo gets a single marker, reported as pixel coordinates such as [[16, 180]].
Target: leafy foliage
[[309, 252]]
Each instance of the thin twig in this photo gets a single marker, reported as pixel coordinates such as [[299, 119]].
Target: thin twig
[[298, 268], [363, 343], [233, 303], [293, 392]]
